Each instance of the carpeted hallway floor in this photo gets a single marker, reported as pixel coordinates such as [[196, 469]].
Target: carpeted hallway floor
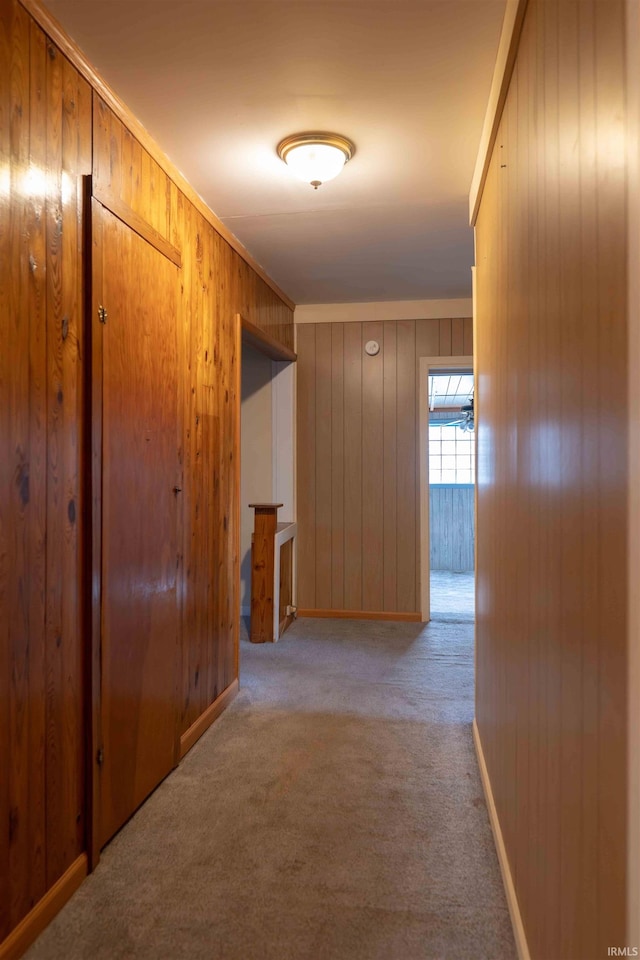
[[334, 812]]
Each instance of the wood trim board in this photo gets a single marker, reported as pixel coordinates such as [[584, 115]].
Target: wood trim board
[[507, 879], [93, 226], [138, 224], [254, 337], [205, 719], [45, 19], [44, 911], [505, 61], [360, 615]]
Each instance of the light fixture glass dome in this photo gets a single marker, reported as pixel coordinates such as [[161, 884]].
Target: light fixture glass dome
[[316, 157]]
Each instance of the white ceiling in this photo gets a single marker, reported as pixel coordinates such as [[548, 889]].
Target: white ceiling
[[218, 83]]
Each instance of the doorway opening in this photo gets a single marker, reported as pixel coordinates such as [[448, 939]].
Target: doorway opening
[[447, 488], [267, 483]]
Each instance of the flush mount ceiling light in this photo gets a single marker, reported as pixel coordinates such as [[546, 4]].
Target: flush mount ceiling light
[[316, 157]]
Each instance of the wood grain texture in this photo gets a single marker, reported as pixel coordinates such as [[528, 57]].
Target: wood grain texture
[[357, 468], [551, 399], [286, 585], [204, 721], [26, 932], [451, 527], [139, 549], [140, 136], [215, 290], [263, 558], [254, 337], [54, 130], [44, 149], [360, 615]]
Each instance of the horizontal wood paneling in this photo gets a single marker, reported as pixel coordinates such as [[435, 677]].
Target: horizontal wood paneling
[[358, 469], [551, 400], [451, 527]]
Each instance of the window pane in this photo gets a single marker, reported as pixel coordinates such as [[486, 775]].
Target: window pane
[[448, 476], [449, 463], [449, 447]]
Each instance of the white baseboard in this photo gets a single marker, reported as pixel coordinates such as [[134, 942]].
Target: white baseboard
[[501, 850]]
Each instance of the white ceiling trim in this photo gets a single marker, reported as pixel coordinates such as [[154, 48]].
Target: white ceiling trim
[[387, 310]]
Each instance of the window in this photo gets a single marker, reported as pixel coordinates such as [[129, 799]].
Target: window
[[451, 455]]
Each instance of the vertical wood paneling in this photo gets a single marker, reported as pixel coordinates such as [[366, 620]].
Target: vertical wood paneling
[[8, 258], [451, 528], [337, 466], [407, 543], [390, 465], [612, 504], [19, 488], [358, 463], [372, 475], [306, 465], [38, 651], [457, 337], [48, 142], [550, 355], [445, 338], [45, 148], [427, 334], [215, 288], [323, 375], [467, 341], [353, 467]]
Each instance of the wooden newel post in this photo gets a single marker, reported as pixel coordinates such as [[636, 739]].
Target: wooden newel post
[[262, 571]]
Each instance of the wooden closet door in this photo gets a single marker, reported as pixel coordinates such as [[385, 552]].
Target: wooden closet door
[[139, 622]]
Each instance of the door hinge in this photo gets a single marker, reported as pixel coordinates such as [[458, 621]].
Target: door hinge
[[100, 756], [102, 314]]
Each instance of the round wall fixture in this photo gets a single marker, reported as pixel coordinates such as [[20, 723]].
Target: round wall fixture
[[372, 347]]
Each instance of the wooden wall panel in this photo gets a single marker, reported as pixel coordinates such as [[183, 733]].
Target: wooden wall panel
[[45, 149], [358, 479], [451, 527], [551, 400], [212, 295], [353, 465], [124, 168], [323, 444], [54, 129], [372, 473], [390, 465], [337, 466]]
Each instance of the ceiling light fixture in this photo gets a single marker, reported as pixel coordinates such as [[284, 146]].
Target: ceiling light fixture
[[316, 157]]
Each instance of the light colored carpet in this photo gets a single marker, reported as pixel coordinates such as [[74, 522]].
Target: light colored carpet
[[452, 596], [334, 812]]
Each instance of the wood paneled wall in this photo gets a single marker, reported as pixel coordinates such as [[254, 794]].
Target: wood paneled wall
[[45, 146], [551, 415], [50, 136], [357, 468], [452, 527]]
